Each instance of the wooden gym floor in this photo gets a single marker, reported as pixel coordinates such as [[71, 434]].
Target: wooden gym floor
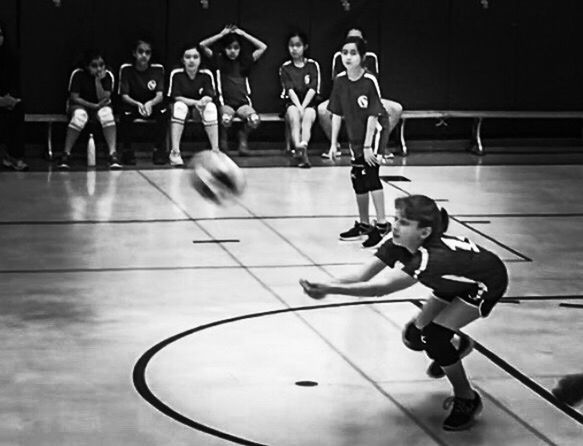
[[134, 313]]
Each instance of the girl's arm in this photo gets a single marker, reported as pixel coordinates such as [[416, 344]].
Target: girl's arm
[[78, 100], [260, 47], [395, 280], [294, 98], [209, 41], [188, 101], [371, 125], [336, 123], [365, 272], [308, 98], [157, 99]]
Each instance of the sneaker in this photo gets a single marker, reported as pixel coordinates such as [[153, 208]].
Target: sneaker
[[569, 389], [128, 158], [14, 164], [159, 157], [114, 163], [356, 232], [466, 346], [64, 162], [464, 412], [376, 234], [176, 159]]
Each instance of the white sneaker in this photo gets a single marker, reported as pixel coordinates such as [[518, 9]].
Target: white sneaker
[[176, 159]]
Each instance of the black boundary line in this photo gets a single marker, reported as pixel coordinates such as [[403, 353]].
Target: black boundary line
[[308, 325], [524, 379], [510, 413], [545, 297], [168, 268], [477, 222], [566, 305], [141, 385], [226, 240], [492, 239], [266, 217]]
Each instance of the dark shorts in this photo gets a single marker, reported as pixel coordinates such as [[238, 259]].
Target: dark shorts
[[480, 296]]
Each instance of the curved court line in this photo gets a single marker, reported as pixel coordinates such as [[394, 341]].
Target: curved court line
[[139, 372]]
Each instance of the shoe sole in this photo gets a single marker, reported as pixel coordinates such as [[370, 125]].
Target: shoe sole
[[352, 239], [463, 354]]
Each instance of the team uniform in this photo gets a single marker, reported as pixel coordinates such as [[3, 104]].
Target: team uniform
[[233, 87], [300, 80], [202, 85], [85, 85], [356, 101], [142, 86], [453, 267]]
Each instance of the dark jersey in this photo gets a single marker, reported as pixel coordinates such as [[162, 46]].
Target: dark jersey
[[142, 86], [233, 80], [299, 79], [356, 101], [451, 267], [203, 84], [371, 63], [83, 83], [9, 73]]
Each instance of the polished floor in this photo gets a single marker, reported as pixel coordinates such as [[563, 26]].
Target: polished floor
[[134, 313]]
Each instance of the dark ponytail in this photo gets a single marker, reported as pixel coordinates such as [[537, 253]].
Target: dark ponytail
[[444, 220]]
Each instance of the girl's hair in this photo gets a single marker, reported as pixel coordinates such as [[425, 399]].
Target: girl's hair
[[425, 212], [189, 46], [141, 40], [229, 39], [360, 46], [89, 56]]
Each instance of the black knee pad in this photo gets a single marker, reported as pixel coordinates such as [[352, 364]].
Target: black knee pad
[[438, 344]]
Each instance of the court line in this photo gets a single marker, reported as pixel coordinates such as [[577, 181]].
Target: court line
[[524, 379], [226, 240], [167, 268], [492, 239], [304, 321], [141, 385], [566, 305]]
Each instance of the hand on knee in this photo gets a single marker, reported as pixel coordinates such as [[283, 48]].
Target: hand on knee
[[253, 121], [437, 340]]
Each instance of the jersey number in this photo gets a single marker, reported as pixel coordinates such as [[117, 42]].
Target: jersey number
[[461, 243]]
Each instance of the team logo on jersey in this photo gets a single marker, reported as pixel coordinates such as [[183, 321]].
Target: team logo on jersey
[[362, 101], [307, 79], [200, 90], [152, 85]]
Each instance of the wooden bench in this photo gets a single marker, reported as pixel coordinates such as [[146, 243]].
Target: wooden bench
[[51, 119], [478, 116]]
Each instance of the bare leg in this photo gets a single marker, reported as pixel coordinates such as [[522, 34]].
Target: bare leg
[[176, 129], [293, 118], [212, 132], [71, 139], [378, 199], [109, 133], [307, 123], [362, 202]]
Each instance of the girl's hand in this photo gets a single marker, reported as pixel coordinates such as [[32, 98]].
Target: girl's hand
[[370, 158], [148, 109], [142, 110], [204, 101], [227, 30], [235, 29], [314, 290]]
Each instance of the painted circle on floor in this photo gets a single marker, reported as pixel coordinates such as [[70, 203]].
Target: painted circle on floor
[[142, 387]]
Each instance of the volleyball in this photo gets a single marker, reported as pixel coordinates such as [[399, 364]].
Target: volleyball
[[216, 177]]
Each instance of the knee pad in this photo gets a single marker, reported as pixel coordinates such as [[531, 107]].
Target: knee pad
[[209, 114], [79, 119], [365, 179], [105, 117], [226, 120], [179, 112], [437, 340], [253, 120], [412, 337]]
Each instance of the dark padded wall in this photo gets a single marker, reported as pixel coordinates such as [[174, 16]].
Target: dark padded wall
[[517, 54]]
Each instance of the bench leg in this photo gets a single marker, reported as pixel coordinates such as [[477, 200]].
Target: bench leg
[[50, 141], [477, 136], [403, 143]]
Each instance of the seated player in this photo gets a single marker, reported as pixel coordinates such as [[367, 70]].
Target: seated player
[[466, 279], [371, 63], [300, 81], [192, 93], [141, 88], [90, 89], [233, 66]]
